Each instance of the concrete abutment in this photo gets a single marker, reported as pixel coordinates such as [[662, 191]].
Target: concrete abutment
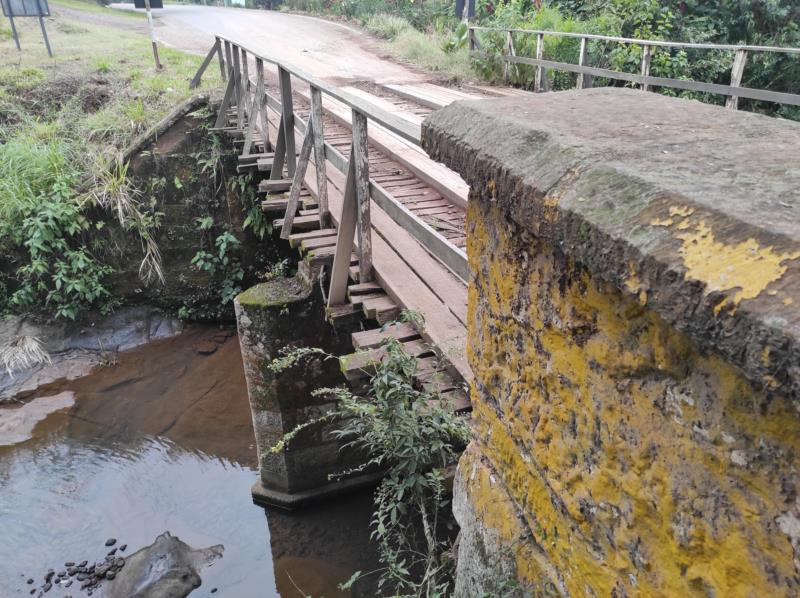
[[633, 331]]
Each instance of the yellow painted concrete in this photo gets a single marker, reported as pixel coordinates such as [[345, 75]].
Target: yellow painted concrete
[[641, 466]]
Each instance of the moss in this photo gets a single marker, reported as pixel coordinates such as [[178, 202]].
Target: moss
[[278, 292]]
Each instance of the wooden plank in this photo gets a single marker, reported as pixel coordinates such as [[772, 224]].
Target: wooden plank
[[742, 92], [409, 156], [319, 155], [274, 185], [288, 118], [297, 238], [383, 309], [385, 105], [358, 300], [363, 289], [206, 61], [368, 339], [360, 159], [647, 55], [297, 181], [226, 102], [737, 72], [344, 244], [300, 223], [362, 364], [222, 69], [310, 244], [255, 109], [584, 81], [276, 205]]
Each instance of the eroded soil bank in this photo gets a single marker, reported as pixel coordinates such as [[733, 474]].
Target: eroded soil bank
[[163, 441]]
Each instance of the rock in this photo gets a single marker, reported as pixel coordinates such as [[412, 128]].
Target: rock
[[46, 587], [30, 581], [112, 552], [82, 563], [111, 541], [67, 584], [213, 590], [168, 568], [110, 575], [205, 347], [69, 564], [123, 547]]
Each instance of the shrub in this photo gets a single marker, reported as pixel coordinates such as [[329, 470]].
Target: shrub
[[414, 435], [386, 26]]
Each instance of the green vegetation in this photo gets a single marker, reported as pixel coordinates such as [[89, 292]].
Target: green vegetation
[[427, 34], [98, 8], [414, 435], [63, 122]]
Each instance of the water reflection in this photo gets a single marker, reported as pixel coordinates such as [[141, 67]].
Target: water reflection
[[163, 441]]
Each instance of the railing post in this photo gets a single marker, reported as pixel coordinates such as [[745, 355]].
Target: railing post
[[237, 78], [585, 81], [319, 156], [737, 72], [245, 89], [221, 61], [228, 59], [509, 52], [257, 111], [360, 157], [285, 78], [540, 82], [647, 54]]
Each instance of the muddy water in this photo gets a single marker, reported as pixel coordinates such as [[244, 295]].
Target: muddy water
[[163, 441]]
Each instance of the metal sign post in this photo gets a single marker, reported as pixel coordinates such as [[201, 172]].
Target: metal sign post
[[152, 34], [44, 31], [27, 8]]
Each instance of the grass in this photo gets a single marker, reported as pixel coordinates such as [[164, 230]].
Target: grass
[[423, 49], [62, 122]]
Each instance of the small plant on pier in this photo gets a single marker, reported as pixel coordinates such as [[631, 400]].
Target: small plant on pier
[[414, 435]]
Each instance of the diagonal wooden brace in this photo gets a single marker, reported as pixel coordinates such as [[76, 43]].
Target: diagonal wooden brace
[[337, 293], [222, 115], [297, 181]]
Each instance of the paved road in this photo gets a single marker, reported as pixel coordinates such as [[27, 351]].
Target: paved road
[[332, 51]]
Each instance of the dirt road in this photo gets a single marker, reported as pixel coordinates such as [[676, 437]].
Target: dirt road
[[332, 51]]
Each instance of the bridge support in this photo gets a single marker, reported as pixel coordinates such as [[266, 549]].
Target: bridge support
[[290, 312], [634, 340]]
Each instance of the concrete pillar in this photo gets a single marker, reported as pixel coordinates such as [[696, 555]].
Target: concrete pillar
[[270, 316]]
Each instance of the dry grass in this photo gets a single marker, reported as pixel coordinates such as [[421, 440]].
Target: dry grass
[[23, 353]]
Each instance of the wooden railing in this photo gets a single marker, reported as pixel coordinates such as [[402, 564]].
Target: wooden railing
[[586, 73], [252, 101]]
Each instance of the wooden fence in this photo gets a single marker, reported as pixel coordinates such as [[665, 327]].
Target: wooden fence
[[644, 79], [251, 101]]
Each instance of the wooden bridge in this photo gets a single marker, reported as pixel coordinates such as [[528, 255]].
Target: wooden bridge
[[360, 198], [383, 222]]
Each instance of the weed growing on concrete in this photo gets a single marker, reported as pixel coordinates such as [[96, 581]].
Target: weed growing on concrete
[[414, 435]]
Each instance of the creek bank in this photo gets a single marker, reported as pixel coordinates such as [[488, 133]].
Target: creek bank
[[77, 348]]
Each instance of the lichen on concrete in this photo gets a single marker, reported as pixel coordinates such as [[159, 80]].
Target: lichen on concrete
[[632, 436]]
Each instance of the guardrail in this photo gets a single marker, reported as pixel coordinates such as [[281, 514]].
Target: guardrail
[[252, 101], [586, 73]]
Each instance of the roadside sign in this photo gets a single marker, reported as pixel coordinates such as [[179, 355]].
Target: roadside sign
[[26, 8], [153, 4]]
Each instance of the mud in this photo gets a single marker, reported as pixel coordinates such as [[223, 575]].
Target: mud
[[163, 441]]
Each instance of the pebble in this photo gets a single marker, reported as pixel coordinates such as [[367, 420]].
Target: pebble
[[47, 586], [123, 547], [112, 552], [33, 591], [213, 590], [30, 581], [111, 541], [110, 575], [69, 564], [69, 583], [82, 563]]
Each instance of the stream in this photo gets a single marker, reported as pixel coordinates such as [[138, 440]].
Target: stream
[[162, 440]]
